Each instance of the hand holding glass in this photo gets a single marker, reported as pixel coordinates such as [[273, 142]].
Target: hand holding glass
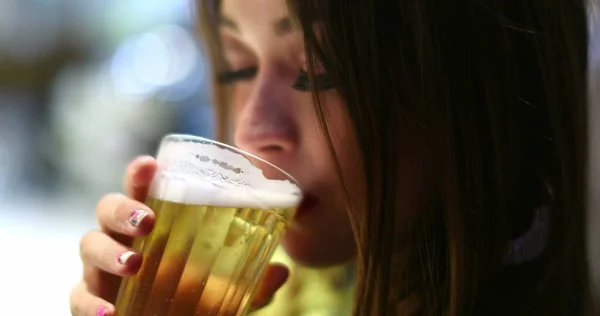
[[220, 213]]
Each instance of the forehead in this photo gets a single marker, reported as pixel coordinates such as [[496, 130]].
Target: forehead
[[253, 12]]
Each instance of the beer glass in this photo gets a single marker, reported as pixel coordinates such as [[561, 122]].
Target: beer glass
[[220, 213]]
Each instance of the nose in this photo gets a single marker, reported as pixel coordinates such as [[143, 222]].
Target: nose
[[266, 124]]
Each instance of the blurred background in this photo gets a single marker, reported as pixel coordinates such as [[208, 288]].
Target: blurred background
[[84, 87]]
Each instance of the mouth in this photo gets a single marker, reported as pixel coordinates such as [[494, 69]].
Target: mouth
[[308, 203]]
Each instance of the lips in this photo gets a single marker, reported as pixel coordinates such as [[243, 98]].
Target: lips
[[308, 203]]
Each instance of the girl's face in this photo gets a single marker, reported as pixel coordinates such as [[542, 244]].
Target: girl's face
[[274, 118]]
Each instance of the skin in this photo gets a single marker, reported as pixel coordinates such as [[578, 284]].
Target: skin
[[271, 120]]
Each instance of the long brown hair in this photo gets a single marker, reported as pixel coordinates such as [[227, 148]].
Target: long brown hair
[[500, 87], [207, 12]]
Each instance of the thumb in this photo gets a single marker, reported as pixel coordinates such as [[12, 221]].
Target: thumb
[[273, 278]]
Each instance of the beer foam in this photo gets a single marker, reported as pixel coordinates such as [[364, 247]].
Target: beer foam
[[206, 174]]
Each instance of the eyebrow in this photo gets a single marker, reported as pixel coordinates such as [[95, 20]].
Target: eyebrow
[[281, 26]]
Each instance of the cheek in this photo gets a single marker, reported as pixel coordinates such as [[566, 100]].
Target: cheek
[[240, 93]]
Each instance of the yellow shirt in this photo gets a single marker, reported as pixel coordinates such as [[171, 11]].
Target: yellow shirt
[[312, 292]]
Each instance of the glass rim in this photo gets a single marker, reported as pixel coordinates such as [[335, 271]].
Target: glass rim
[[204, 140]]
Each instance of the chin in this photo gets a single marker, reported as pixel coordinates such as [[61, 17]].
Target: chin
[[318, 252]]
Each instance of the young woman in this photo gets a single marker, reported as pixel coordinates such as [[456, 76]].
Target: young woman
[[441, 142]]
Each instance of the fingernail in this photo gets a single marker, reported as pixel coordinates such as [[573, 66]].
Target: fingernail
[[125, 256], [144, 159], [103, 311], [136, 217]]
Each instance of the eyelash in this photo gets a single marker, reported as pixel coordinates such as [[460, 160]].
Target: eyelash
[[322, 82]]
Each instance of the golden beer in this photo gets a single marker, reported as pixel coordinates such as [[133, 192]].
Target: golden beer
[[203, 258]]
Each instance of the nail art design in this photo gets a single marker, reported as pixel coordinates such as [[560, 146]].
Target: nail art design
[[136, 217], [125, 256], [102, 311]]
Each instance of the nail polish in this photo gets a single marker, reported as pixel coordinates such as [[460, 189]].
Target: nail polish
[[102, 311], [124, 257], [136, 217]]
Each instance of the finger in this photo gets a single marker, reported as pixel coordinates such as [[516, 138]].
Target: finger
[[101, 284], [138, 177], [273, 278], [85, 304], [119, 214], [99, 250]]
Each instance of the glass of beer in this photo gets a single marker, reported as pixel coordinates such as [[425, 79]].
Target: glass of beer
[[220, 213]]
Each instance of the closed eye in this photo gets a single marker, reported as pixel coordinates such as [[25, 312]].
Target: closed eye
[[230, 77], [321, 82]]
